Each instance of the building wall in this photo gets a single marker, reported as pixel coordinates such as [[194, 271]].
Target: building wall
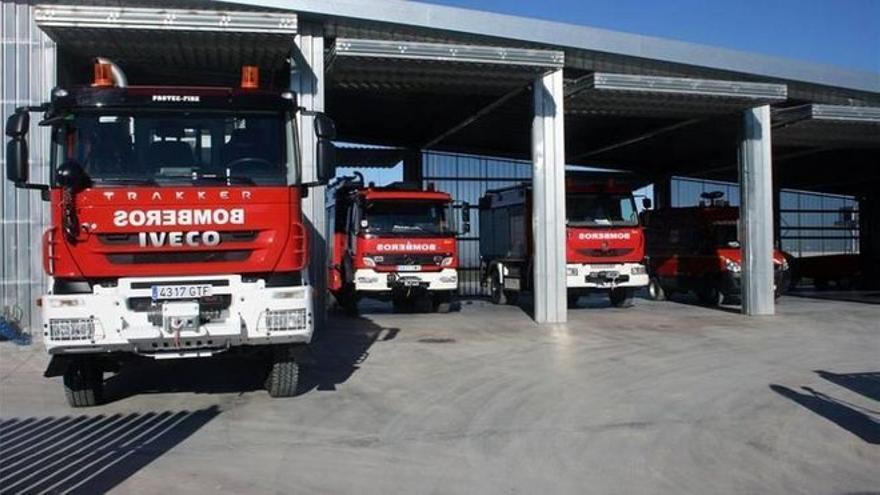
[[27, 69]]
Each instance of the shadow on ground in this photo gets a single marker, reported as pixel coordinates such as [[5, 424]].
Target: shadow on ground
[[866, 384], [861, 423], [334, 355], [88, 454], [338, 351]]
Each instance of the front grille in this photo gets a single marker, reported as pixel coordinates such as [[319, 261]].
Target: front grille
[[408, 259], [164, 257], [132, 239], [606, 253]]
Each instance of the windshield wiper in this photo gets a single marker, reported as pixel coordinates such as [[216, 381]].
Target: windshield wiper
[[230, 179]]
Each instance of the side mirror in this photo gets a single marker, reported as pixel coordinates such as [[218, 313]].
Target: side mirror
[[325, 130], [646, 203], [17, 166], [465, 217]]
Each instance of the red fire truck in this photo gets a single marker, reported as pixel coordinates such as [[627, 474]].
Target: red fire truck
[[697, 249], [396, 242], [604, 242], [176, 227]]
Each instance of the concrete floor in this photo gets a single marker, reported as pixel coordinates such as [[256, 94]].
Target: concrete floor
[[660, 398]]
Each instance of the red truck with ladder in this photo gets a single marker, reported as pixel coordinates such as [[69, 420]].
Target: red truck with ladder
[[604, 242], [176, 225], [396, 242], [696, 249]]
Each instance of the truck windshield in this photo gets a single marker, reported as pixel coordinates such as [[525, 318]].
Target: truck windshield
[[163, 147], [412, 218], [726, 234], [601, 209]]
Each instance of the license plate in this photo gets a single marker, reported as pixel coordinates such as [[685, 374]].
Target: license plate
[[411, 282], [180, 291], [409, 268]]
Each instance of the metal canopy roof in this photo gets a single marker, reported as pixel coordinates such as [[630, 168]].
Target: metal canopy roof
[[419, 66], [656, 96], [170, 41], [828, 126], [576, 40]]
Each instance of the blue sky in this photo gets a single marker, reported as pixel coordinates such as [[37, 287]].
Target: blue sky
[[845, 33]]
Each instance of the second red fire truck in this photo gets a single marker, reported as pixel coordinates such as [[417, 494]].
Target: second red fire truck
[[604, 242], [396, 242]]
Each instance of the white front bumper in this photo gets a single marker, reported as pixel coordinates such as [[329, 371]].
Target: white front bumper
[[117, 327], [590, 276], [369, 280]]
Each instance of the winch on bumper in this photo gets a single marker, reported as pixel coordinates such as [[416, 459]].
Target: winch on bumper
[[373, 281], [605, 276], [161, 314]]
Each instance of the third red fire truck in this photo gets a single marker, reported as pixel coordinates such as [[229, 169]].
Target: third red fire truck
[[396, 242], [604, 242]]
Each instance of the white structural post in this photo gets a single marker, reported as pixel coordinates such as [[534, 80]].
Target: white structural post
[[307, 82], [756, 213], [548, 199]]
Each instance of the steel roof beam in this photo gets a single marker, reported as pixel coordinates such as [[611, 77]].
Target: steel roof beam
[[680, 86], [445, 52], [69, 16]]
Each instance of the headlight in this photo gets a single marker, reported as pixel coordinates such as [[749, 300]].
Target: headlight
[[447, 261], [71, 329], [571, 271], [639, 270], [732, 266], [368, 262]]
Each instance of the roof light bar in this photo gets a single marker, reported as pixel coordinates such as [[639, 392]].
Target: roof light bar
[[164, 19]]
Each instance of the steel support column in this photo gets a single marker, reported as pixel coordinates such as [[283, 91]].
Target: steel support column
[[412, 166], [756, 213], [307, 81], [869, 240], [663, 191], [548, 201]]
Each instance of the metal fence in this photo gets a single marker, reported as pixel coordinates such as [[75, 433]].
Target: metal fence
[[810, 223], [467, 178], [27, 65]]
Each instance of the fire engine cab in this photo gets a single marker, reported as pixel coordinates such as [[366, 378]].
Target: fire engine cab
[[604, 242], [396, 242], [176, 225]]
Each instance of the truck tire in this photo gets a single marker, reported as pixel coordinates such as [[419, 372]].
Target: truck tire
[[573, 300], [496, 291], [621, 297], [283, 376], [655, 290], [709, 295], [348, 301], [83, 384], [442, 303]]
